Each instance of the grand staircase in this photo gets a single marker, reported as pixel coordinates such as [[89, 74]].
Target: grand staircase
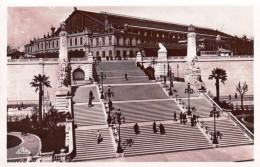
[[148, 110], [87, 147], [178, 137], [87, 116], [115, 72], [232, 135]]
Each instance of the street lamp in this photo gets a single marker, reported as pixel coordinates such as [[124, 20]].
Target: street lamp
[[171, 82], [189, 90], [109, 94], [118, 119], [216, 134], [164, 77], [178, 71], [102, 77]]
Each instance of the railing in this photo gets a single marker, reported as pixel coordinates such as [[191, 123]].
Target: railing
[[50, 59], [169, 58], [33, 60], [79, 59], [23, 60], [240, 125], [226, 57], [213, 102], [23, 159]]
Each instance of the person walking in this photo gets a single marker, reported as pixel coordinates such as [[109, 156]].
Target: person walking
[[194, 119], [154, 127], [98, 137], [191, 121], [136, 128], [162, 130], [91, 97], [184, 118], [174, 116], [126, 77], [181, 116]]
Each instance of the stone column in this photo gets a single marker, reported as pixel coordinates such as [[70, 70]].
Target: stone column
[[90, 65], [62, 90], [191, 44], [162, 61], [63, 50]]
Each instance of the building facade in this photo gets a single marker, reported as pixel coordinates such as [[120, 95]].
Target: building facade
[[118, 36]]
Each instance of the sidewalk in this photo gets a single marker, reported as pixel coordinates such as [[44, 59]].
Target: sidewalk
[[227, 154]]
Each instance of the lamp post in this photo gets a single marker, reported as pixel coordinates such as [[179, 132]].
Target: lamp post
[[189, 90], [164, 77], [178, 71], [118, 119], [171, 83], [216, 134], [102, 77], [109, 94]]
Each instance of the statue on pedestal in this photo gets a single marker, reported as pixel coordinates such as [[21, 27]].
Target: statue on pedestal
[[64, 74]]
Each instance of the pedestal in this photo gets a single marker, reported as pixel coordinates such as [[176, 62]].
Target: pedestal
[[61, 99]]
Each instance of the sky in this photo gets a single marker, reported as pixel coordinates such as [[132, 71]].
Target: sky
[[25, 23]]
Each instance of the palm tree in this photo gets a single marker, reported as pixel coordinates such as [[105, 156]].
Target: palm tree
[[242, 91], [39, 82], [218, 74]]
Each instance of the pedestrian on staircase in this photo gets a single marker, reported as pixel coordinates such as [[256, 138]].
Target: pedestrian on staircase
[[136, 128], [194, 119], [191, 121], [154, 127], [181, 116], [184, 118], [126, 77], [99, 138], [162, 130], [174, 116], [91, 97]]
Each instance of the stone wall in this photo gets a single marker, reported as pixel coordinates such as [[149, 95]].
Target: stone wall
[[236, 71], [19, 76]]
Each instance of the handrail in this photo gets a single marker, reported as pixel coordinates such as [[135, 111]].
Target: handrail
[[213, 102], [242, 127]]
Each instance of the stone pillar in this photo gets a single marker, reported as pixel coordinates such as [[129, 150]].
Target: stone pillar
[[90, 66], [192, 71], [63, 50], [62, 90], [162, 61], [191, 44]]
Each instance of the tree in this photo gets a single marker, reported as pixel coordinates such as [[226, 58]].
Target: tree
[[218, 74], [39, 82], [242, 89]]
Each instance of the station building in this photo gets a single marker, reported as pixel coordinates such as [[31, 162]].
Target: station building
[[118, 36]]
